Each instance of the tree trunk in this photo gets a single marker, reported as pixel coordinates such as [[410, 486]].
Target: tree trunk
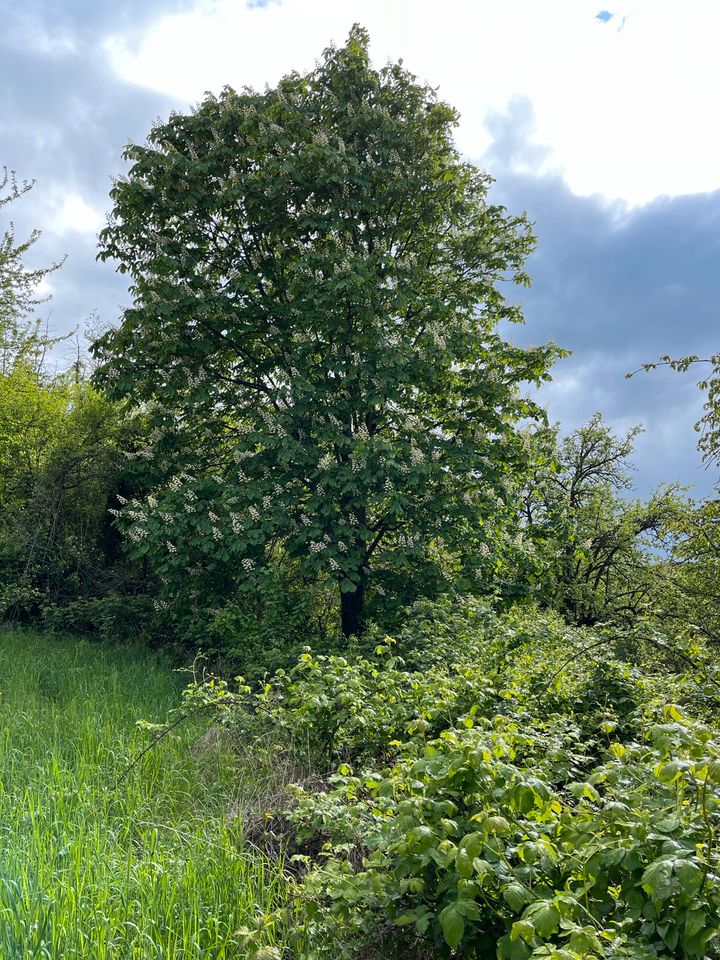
[[351, 611]]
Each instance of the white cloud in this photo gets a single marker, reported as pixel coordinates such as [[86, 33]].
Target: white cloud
[[626, 106], [72, 214]]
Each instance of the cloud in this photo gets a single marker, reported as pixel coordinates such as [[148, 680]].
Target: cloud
[[622, 110], [618, 286], [73, 214], [64, 119]]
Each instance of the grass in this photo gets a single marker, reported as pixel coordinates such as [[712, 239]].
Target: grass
[[152, 869]]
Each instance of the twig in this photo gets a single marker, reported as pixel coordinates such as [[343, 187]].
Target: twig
[[153, 743]]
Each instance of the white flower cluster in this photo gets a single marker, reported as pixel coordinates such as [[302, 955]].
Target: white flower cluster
[[408, 539], [170, 547]]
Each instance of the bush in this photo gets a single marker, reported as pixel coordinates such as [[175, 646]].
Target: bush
[[501, 835], [529, 794]]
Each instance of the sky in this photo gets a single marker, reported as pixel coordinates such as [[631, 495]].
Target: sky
[[596, 120]]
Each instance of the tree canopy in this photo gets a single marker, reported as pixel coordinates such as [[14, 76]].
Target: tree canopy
[[316, 279]]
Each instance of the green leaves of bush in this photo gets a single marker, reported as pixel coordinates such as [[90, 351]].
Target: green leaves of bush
[[479, 810], [474, 818]]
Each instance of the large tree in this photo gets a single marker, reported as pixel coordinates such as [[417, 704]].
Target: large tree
[[317, 292]]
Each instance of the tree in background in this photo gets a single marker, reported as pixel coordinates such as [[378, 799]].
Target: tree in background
[[692, 573], [599, 549], [314, 334], [22, 337], [62, 456]]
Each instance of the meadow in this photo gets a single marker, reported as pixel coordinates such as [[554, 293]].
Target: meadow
[[151, 867]]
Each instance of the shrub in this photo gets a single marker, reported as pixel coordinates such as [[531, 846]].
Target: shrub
[[530, 794]]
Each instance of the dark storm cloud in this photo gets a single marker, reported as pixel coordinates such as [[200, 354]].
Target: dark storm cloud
[[82, 20], [618, 287]]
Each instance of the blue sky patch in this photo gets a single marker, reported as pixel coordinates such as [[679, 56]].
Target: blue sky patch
[[604, 16]]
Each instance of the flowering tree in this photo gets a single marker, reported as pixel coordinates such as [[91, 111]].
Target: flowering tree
[[314, 331]]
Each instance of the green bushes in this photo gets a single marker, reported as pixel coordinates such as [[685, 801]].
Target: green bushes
[[62, 455], [501, 834], [531, 793], [113, 617]]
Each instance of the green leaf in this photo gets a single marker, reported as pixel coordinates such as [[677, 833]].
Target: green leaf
[[522, 929], [516, 896], [453, 926], [695, 921], [545, 917]]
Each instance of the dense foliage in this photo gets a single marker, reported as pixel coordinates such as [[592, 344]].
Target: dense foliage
[[534, 790], [316, 278]]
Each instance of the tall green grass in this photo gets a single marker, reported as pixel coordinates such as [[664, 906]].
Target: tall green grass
[[152, 869]]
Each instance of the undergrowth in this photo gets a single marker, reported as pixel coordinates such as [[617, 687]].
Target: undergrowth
[[495, 786]]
